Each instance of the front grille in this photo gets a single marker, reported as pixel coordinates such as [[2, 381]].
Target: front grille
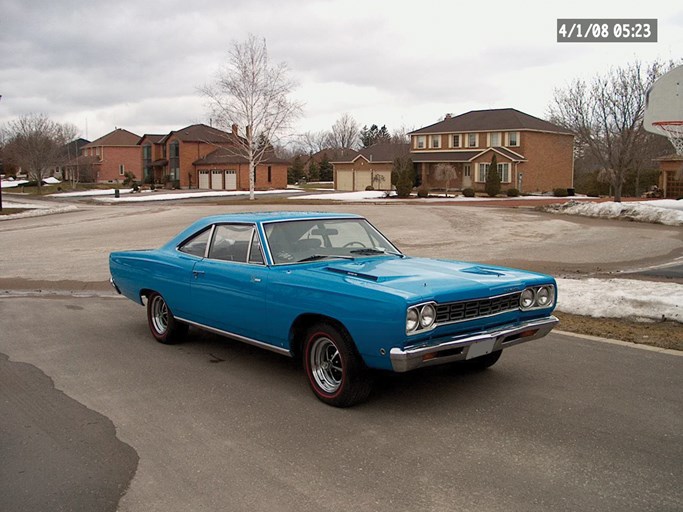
[[471, 309]]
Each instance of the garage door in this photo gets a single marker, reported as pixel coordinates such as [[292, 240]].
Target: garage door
[[230, 180], [204, 179], [363, 180], [216, 180], [345, 180]]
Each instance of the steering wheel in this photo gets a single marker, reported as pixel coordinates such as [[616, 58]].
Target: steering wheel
[[355, 242]]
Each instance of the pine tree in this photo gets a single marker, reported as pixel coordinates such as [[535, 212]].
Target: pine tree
[[295, 171], [493, 178]]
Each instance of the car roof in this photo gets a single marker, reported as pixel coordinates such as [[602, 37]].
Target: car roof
[[259, 217], [256, 218]]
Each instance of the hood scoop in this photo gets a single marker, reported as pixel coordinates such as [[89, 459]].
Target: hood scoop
[[482, 271], [351, 273]]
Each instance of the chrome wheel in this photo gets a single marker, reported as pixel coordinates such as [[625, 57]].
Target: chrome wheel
[[159, 314], [326, 365]]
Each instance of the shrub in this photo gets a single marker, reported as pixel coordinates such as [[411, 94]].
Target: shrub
[[369, 187], [423, 192], [560, 192], [468, 192], [513, 192], [493, 178]]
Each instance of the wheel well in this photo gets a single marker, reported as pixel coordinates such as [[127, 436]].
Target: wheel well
[[302, 323], [145, 292]]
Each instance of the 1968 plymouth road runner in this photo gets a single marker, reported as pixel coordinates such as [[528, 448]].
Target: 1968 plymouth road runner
[[331, 289]]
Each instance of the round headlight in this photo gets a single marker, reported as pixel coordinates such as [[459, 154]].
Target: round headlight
[[526, 300], [544, 296], [412, 319], [427, 316]]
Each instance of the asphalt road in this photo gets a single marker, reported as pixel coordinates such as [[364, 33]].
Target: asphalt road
[[92, 411], [558, 424]]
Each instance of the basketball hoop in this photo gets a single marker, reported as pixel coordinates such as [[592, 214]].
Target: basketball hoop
[[674, 131]]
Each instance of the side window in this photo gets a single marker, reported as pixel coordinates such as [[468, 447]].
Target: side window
[[197, 244], [231, 242], [255, 255]]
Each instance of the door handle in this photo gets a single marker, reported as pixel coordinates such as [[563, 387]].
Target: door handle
[[255, 279], [197, 273]]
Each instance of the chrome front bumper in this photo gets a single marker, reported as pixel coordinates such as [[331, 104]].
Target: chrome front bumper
[[468, 346]]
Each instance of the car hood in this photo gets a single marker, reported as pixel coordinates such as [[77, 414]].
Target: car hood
[[444, 280]]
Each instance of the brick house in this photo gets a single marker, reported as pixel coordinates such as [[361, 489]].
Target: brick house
[[372, 166], [223, 170], [199, 156], [671, 177], [533, 155], [112, 155]]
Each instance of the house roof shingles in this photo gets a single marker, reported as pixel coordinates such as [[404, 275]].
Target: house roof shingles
[[491, 120], [227, 156], [199, 133], [375, 153], [118, 137]]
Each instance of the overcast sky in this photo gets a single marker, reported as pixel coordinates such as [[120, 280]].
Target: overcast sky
[[101, 64]]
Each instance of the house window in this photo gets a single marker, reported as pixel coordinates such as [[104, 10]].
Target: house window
[[455, 140], [494, 139], [420, 142], [436, 141], [513, 139], [472, 141], [467, 170], [504, 172], [122, 170], [174, 160], [483, 169]]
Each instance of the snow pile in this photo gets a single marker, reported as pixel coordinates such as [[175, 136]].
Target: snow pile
[[621, 298], [89, 193], [364, 195], [160, 196], [36, 211], [13, 183], [667, 212]]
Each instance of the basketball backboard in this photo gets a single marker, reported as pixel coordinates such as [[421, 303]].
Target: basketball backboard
[[664, 107]]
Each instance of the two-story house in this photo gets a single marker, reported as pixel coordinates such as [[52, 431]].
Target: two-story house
[[201, 156], [532, 155], [112, 155]]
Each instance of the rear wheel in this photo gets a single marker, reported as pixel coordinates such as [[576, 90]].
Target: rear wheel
[[482, 362], [165, 328], [335, 371]]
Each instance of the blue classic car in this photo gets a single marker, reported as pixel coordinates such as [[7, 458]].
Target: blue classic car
[[331, 289]]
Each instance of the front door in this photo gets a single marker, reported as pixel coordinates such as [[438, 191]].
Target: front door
[[229, 286]]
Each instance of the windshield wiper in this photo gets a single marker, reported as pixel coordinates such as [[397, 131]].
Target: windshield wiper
[[315, 257], [370, 251]]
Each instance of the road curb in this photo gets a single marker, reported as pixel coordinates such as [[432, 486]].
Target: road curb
[[622, 343]]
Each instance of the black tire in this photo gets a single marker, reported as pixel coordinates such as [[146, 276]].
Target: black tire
[[483, 362], [163, 325], [335, 370]]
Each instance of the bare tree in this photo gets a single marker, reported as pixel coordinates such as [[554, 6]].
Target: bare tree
[[606, 116], [35, 144], [345, 132], [313, 142], [445, 172], [251, 92]]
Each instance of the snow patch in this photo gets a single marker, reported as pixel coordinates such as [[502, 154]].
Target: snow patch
[[668, 212]]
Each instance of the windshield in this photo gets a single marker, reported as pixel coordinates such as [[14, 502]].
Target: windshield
[[308, 240]]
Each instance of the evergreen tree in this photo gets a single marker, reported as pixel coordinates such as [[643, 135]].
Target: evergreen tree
[[403, 176], [313, 171], [326, 169], [374, 135], [493, 178], [296, 171]]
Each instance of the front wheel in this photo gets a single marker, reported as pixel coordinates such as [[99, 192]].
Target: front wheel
[[335, 371], [165, 328]]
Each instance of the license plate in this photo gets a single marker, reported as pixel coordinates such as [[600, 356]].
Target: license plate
[[480, 349]]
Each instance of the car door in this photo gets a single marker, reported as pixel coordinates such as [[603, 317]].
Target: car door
[[228, 289]]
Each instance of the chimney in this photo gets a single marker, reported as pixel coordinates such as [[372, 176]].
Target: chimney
[[234, 129], [448, 116]]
